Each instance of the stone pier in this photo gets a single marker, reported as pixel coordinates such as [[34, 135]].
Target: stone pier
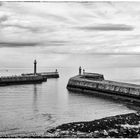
[[94, 83]]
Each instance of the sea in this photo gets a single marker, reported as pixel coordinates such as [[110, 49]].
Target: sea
[[36, 108]]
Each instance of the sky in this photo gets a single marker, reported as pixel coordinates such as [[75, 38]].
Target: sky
[[71, 27]]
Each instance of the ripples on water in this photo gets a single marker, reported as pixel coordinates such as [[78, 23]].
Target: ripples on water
[[37, 107]]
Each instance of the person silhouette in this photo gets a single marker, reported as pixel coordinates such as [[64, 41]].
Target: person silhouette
[[80, 69], [83, 71]]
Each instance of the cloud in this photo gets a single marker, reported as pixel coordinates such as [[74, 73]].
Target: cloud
[[25, 44], [59, 27], [57, 43], [107, 27], [54, 17], [0, 3], [30, 28], [17, 44], [3, 18]]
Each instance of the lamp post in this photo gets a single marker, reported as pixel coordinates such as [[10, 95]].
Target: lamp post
[[35, 63]]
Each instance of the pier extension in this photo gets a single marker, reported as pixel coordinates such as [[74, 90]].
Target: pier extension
[[54, 74], [28, 78], [95, 84]]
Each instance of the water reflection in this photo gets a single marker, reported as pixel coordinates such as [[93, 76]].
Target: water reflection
[[35, 99]]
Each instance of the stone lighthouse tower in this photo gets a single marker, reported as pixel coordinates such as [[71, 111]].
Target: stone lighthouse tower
[[35, 63]]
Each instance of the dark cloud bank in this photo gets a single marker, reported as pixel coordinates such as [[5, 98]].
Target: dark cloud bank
[[24, 44], [15, 44], [108, 27]]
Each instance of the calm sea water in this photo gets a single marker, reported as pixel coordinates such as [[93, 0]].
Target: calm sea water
[[37, 107]]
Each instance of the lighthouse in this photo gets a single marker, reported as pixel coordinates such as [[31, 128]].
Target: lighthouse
[[35, 67]]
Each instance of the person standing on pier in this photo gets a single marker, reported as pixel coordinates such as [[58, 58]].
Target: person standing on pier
[[83, 71], [80, 70]]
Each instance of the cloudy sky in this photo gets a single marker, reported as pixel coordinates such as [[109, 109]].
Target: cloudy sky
[[71, 27]]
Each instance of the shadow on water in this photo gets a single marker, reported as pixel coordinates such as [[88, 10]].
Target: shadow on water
[[89, 95], [128, 104]]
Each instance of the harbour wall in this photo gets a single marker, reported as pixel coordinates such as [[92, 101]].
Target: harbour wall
[[44, 74], [105, 87], [14, 80], [50, 74]]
